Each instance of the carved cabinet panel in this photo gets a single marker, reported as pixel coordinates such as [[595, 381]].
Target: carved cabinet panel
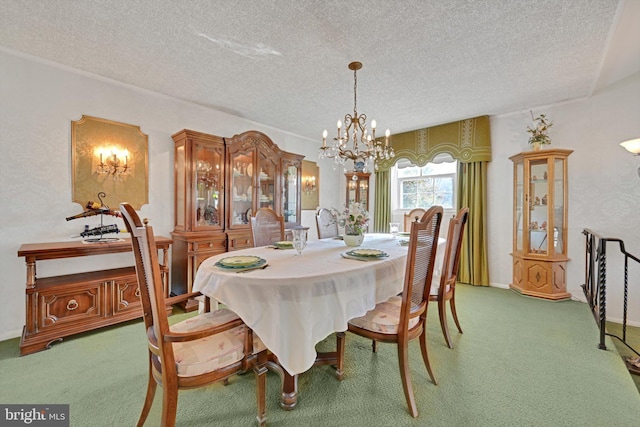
[[126, 294], [59, 307]]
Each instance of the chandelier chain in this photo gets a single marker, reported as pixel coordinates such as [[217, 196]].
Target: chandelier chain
[[355, 93]]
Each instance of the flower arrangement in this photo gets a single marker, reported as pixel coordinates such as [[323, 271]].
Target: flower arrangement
[[354, 219], [539, 131]]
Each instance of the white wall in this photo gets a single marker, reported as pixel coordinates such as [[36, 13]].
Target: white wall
[[604, 188], [38, 101]]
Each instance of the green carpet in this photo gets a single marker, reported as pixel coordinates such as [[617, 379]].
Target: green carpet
[[520, 362]]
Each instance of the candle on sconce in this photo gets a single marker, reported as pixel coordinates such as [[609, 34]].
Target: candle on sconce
[[324, 138], [339, 128], [386, 137]]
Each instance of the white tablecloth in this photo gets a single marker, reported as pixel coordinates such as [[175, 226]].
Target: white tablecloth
[[301, 299]]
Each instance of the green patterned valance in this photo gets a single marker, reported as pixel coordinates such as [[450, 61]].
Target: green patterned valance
[[466, 140]]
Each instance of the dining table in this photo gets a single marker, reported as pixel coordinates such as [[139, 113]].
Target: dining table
[[298, 300]]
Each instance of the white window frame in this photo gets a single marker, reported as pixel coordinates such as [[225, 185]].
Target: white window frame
[[396, 192]]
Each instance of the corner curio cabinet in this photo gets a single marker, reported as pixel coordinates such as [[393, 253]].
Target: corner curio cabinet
[[540, 223]]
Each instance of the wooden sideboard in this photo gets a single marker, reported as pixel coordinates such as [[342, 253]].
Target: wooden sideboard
[[65, 305]]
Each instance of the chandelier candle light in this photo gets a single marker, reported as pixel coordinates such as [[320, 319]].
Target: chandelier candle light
[[364, 147]]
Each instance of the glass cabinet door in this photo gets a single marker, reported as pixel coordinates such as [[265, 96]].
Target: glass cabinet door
[[352, 187], [208, 169], [180, 205], [363, 193], [290, 193], [266, 179], [242, 191], [559, 211], [518, 208], [538, 206]]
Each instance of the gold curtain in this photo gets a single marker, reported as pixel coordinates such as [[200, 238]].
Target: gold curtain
[[469, 142], [382, 206], [474, 265]]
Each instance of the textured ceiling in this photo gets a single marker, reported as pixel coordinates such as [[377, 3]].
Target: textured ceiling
[[284, 63]]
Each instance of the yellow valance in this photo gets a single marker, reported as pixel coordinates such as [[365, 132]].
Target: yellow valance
[[466, 140]]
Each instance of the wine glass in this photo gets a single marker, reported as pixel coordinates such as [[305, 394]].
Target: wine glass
[[299, 239], [394, 227]]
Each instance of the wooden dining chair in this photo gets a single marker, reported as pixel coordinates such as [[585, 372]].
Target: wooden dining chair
[[445, 289], [196, 352], [327, 224], [413, 215], [402, 318], [267, 227]]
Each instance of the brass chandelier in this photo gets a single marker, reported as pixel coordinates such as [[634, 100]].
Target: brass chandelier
[[356, 144]]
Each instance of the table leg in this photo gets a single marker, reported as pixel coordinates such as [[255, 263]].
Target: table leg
[[289, 396]]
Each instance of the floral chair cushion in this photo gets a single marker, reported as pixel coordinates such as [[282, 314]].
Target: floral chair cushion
[[384, 318], [212, 352]]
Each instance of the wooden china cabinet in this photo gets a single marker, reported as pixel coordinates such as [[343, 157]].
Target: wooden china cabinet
[[358, 188], [259, 175], [540, 223], [219, 183]]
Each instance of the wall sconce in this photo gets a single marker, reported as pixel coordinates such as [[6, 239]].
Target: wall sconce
[[632, 146], [105, 153], [309, 184], [113, 161]]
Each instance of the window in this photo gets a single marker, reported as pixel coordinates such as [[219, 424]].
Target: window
[[423, 187]]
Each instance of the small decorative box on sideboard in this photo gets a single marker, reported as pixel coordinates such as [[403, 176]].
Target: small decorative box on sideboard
[[59, 306]]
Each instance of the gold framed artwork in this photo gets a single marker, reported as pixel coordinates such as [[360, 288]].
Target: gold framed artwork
[[310, 185], [109, 157]]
